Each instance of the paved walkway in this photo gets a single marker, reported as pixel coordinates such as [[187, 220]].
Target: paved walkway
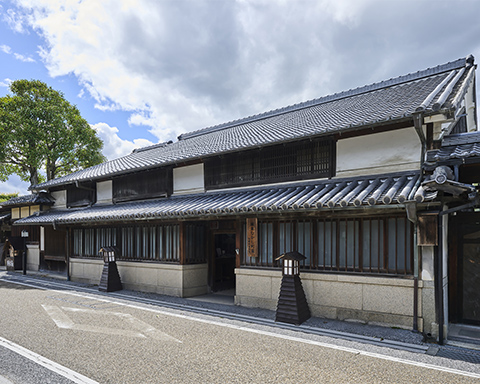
[[463, 348]]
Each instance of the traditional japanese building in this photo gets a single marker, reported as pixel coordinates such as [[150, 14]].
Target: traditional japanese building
[[369, 184]]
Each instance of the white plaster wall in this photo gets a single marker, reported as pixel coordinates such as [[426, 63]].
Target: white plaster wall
[[60, 199], [188, 179], [104, 192], [398, 150], [427, 263], [470, 109]]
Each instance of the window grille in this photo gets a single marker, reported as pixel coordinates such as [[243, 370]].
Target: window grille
[[144, 242], [142, 185], [78, 197], [195, 243], [292, 161], [367, 245]]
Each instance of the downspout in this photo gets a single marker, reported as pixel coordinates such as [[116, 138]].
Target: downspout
[[418, 124], [68, 235], [411, 209], [438, 269]]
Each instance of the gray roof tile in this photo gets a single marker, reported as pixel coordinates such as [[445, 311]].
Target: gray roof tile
[[326, 194], [391, 100], [457, 146], [34, 198]]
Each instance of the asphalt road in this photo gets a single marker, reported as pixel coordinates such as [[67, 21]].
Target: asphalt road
[[111, 341]]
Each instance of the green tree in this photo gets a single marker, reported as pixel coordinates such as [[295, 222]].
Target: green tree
[[41, 130], [7, 196]]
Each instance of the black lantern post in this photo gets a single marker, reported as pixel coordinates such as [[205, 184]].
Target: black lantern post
[[110, 280], [292, 304]]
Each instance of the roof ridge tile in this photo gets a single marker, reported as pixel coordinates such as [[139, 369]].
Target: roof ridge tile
[[335, 96]]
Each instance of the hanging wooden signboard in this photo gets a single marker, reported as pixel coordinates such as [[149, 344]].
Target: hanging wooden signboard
[[252, 237]]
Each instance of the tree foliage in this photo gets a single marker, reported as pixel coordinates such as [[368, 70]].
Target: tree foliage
[[41, 130], [7, 196]]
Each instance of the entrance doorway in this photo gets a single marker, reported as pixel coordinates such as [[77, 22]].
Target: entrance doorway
[[470, 270], [223, 262], [466, 298]]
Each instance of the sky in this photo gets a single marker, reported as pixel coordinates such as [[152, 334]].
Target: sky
[[146, 71]]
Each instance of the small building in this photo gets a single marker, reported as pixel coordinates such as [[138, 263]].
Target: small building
[[342, 179], [22, 207]]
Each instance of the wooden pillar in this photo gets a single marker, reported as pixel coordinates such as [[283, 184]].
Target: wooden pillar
[[238, 242], [68, 235], [182, 236]]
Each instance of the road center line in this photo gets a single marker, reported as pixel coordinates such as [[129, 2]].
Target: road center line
[[266, 333], [47, 363]]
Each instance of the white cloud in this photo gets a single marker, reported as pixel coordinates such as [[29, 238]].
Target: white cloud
[[14, 20], [23, 58], [15, 185], [6, 83], [5, 48], [113, 146], [8, 50], [177, 66]]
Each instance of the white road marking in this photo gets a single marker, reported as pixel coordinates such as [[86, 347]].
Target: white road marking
[[44, 362], [61, 319], [266, 333]]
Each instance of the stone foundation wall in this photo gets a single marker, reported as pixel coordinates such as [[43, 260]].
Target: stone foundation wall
[[166, 279], [372, 300]]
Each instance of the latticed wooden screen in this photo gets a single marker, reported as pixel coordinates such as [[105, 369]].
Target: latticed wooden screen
[[80, 196], [290, 161], [143, 185], [381, 245]]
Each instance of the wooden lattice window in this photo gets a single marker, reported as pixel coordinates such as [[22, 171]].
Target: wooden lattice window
[[381, 245], [81, 194], [143, 185], [290, 161]]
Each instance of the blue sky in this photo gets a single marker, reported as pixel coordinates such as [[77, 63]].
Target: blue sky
[[144, 71]]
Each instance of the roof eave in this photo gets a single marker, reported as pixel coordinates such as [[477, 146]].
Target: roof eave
[[349, 129]]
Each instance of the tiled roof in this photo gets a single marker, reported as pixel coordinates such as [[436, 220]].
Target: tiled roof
[[327, 194], [4, 216], [34, 198], [389, 101], [458, 146], [461, 138]]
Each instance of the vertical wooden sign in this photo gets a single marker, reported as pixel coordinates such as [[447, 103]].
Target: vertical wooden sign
[[252, 243]]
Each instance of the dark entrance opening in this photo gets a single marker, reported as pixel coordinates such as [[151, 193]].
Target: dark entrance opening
[[471, 280], [465, 303], [54, 257], [223, 265]]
